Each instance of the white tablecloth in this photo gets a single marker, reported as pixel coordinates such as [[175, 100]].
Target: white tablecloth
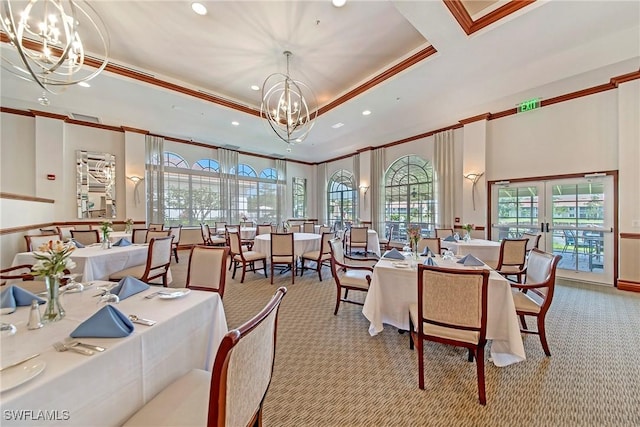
[[485, 250], [107, 388], [393, 289], [302, 242], [373, 243], [95, 263], [246, 233]]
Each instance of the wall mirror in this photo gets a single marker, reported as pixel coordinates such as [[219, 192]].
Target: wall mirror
[[299, 197], [96, 184]]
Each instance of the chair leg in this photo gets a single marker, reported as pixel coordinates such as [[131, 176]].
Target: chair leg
[[320, 271], [337, 300], [293, 272], [480, 368], [301, 266], [420, 346], [523, 322], [264, 267], [244, 271], [543, 336], [410, 334], [470, 356], [175, 254], [272, 272]]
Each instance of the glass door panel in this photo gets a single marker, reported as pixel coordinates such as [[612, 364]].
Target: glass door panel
[[516, 210]]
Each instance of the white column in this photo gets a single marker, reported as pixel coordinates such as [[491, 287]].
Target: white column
[[474, 161]]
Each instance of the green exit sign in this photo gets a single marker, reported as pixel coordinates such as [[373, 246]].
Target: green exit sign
[[529, 105]]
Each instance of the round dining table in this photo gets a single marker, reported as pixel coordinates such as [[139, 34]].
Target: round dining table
[[302, 243]]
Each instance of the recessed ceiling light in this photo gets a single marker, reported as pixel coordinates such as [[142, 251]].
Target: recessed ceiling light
[[338, 3], [199, 8], [235, 123], [255, 87], [366, 112], [337, 125], [84, 84]]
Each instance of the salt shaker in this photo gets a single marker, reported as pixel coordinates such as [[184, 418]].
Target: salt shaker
[[34, 316]]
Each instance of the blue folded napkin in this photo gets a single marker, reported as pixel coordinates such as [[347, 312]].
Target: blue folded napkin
[[77, 244], [449, 239], [108, 322], [427, 252], [14, 296], [122, 242], [128, 286], [429, 261], [393, 254], [470, 260]]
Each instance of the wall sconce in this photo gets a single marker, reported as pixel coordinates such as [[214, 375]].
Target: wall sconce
[[473, 177], [364, 188], [136, 181]]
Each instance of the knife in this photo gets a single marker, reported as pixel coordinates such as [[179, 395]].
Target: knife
[[20, 362]]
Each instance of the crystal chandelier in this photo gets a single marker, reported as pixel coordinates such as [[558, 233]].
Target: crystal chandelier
[[285, 105], [48, 40]]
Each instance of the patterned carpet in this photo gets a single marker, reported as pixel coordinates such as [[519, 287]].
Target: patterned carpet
[[330, 372]]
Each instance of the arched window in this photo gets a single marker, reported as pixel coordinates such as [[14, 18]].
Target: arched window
[[244, 170], [269, 173], [409, 196], [207, 165], [341, 196], [174, 160]]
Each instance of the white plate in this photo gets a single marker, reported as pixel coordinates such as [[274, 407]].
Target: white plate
[[400, 265], [13, 377], [174, 293]]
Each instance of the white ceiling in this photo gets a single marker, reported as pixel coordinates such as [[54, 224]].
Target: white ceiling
[[577, 44]]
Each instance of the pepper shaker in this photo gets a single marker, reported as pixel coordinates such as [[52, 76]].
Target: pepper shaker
[[34, 316]]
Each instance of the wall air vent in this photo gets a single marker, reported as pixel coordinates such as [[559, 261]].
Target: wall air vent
[[85, 118]]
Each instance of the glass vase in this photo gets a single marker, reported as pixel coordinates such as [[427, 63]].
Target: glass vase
[[106, 243], [467, 237], [53, 311]]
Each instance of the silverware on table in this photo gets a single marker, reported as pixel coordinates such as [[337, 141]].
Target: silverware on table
[[60, 346], [153, 295], [136, 319], [20, 362], [73, 342]]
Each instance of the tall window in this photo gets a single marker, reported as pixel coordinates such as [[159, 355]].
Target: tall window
[[341, 195], [299, 197], [409, 197], [257, 194], [192, 195]]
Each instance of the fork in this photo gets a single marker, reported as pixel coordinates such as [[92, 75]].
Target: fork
[[60, 346]]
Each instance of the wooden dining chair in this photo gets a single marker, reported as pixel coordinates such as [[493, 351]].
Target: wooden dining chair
[[533, 240], [85, 237], [534, 296], [282, 253], [139, 235], [354, 276], [23, 274], [512, 258], [433, 243], [308, 227], [211, 239], [157, 226], [175, 232], [321, 257], [263, 229], [452, 310], [36, 240], [247, 224], [443, 233], [157, 265], [152, 234], [219, 228], [233, 392], [245, 258], [359, 239], [207, 268], [65, 232]]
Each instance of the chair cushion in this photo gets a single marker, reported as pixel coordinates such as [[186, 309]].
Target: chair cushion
[[185, 402], [313, 255], [524, 303], [250, 256], [218, 240], [510, 269], [356, 279], [136, 271], [471, 337]]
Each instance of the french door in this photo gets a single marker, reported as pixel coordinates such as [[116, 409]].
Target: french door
[[574, 215]]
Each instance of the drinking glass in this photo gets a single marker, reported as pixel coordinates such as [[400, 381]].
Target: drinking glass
[[107, 297], [7, 329], [72, 286]]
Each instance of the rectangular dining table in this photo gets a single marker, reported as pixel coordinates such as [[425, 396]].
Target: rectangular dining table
[[107, 388], [393, 289], [95, 263]]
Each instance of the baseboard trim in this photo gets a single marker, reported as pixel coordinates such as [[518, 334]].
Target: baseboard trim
[[628, 285]]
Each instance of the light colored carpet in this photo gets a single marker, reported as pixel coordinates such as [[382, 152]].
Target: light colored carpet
[[330, 372]]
